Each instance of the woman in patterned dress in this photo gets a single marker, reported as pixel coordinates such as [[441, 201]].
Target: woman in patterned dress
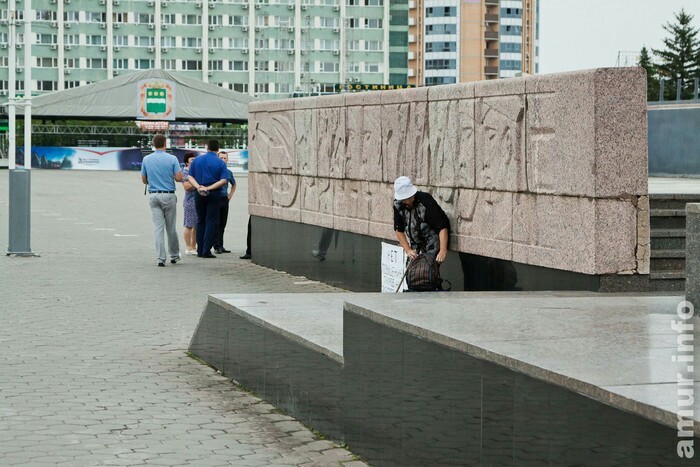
[[190, 211]]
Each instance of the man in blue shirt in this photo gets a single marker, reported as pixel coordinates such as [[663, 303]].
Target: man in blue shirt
[[208, 174], [159, 172], [223, 211]]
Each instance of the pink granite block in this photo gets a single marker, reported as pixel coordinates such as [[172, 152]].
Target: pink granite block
[[500, 87], [484, 223], [260, 211], [414, 162], [305, 127], [447, 198], [278, 105], [260, 189], [643, 235], [500, 143], [256, 162], [273, 142], [362, 98], [555, 232], [382, 230], [317, 201], [621, 148], [351, 206], [394, 128], [452, 143], [363, 151], [402, 96], [286, 199], [586, 133], [616, 236], [448, 92], [302, 103], [330, 142], [380, 199], [331, 100]]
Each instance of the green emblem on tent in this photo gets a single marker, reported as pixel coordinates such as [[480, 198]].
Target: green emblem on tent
[[156, 100]]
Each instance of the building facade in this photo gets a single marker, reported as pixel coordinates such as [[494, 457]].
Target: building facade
[[268, 48], [453, 41]]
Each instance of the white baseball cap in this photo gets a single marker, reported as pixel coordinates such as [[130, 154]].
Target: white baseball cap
[[404, 189]]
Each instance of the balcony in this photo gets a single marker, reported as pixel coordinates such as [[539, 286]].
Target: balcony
[[491, 35], [491, 53], [492, 3], [491, 18], [491, 70]]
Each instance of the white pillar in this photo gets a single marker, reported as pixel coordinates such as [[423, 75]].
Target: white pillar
[[12, 77], [28, 84]]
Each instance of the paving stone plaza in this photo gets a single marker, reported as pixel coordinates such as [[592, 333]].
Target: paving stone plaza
[[95, 370]]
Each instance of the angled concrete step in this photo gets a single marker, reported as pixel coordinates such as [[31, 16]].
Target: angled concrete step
[[667, 222], [668, 233], [667, 275], [672, 201], [667, 243], [667, 264], [667, 213], [677, 253]]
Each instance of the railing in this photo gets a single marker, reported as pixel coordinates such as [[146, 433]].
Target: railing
[[679, 91], [57, 129]]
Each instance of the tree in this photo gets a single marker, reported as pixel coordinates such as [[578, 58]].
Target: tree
[[652, 75], [679, 58]]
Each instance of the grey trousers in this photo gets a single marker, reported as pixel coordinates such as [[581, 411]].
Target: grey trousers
[[164, 212]]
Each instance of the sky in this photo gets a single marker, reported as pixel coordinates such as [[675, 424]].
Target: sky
[[581, 34]]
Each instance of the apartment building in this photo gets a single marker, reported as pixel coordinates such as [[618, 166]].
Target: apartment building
[[268, 48], [453, 41]]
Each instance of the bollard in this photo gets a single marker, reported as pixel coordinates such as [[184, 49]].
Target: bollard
[[692, 253]]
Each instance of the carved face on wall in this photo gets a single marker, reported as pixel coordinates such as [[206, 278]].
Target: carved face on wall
[[499, 151]]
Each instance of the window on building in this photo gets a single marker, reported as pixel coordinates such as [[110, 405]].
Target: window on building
[[96, 63], [95, 17], [238, 65], [441, 29], [353, 45], [71, 62], [328, 22], [435, 80], [239, 87], [282, 44], [329, 44], [46, 39], [441, 64], [262, 65], [216, 65], [120, 63], [71, 16], [72, 84], [239, 43], [168, 41], [239, 20], [353, 2], [262, 87], [144, 41], [192, 42], [120, 41], [46, 15], [216, 20], [374, 3], [144, 18], [143, 64], [71, 39], [47, 62], [441, 12], [283, 66], [373, 45], [167, 18], [192, 19], [373, 23], [373, 67], [120, 17], [284, 88], [169, 64], [96, 40], [353, 67], [328, 67], [46, 85], [440, 46], [191, 64], [261, 43]]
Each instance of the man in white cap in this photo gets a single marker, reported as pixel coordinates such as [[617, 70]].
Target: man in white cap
[[420, 223]]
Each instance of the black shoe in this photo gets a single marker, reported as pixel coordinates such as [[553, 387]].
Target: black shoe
[[224, 250], [245, 256], [217, 251], [161, 264], [208, 255]]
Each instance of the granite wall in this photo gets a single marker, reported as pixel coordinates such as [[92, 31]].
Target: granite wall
[[692, 255], [548, 170]]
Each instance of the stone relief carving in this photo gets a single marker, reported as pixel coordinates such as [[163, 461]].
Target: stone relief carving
[[305, 140], [394, 126], [452, 143], [284, 190], [484, 222], [414, 162], [500, 150], [364, 143], [273, 142], [317, 195], [330, 148]]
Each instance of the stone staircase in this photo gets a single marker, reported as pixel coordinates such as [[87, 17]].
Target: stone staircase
[[667, 218]]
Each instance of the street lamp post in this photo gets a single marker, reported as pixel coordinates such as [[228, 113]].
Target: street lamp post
[[19, 179]]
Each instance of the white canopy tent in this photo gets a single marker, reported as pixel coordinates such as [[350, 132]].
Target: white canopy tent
[[118, 99]]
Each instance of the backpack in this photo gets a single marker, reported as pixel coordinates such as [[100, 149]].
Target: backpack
[[423, 274]]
